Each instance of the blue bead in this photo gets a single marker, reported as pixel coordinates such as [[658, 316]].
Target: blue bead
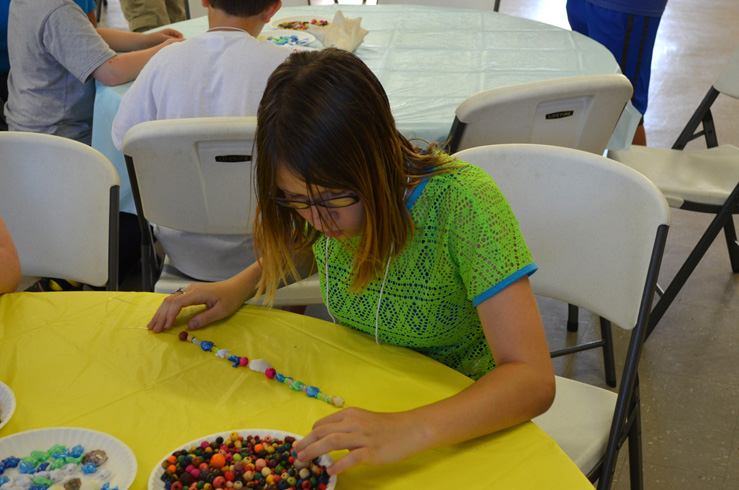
[[235, 360], [312, 391], [27, 468], [89, 468], [206, 345], [77, 451], [279, 377]]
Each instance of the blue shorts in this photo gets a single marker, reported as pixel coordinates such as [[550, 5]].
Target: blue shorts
[[629, 37]]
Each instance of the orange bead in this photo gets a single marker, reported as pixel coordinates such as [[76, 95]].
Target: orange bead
[[258, 448], [172, 458], [172, 468], [217, 460]]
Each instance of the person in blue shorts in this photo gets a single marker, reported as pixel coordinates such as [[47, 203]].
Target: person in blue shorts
[[628, 28]]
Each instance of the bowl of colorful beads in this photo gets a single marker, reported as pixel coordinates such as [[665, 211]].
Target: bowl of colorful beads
[[66, 457], [246, 458], [299, 22], [7, 404], [284, 37]]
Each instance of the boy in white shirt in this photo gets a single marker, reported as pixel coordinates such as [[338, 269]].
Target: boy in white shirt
[[222, 72]]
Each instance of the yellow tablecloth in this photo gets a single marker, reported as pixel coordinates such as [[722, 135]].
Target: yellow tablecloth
[[86, 360]]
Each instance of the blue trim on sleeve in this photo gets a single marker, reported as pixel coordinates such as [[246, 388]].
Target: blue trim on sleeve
[[526, 271], [416, 194]]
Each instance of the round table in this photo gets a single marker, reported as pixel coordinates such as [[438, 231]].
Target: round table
[[429, 59]]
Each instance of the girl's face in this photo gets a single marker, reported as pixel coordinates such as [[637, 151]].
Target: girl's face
[[342, 222]]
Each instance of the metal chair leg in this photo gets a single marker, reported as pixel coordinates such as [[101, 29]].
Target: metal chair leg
[[636, 469], [609, 363], [732, 244], [572, 317]]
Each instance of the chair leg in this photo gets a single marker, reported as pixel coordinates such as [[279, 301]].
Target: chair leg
[[636, 470], [608, 358], [572, 317], [720, 221], [732, 244]]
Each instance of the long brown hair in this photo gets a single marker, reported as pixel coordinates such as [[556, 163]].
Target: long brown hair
[[327, 119]]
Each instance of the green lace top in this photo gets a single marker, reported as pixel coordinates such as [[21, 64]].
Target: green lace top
[[467, 246]]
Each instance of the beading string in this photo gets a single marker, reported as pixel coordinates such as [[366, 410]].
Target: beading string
[[262, 366]]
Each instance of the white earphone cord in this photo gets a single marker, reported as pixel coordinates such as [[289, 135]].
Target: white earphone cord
[[382, 287]]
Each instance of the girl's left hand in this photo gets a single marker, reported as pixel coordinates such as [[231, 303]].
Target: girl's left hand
[[372, 438]]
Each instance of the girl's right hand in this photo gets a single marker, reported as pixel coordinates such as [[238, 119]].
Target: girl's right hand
[[221, 298]]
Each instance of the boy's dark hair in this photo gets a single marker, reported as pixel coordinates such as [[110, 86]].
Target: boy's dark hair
[[242, 8]]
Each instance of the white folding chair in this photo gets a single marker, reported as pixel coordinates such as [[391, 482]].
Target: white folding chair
[[459, 4], [705, 181], [195, 175], [577, 112], [597, 232], [59, 198]]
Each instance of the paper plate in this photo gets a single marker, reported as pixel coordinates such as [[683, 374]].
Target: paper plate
[[7, 404], [299, 22], [155, 482], [121, 461], [303, 48], [284, 37]]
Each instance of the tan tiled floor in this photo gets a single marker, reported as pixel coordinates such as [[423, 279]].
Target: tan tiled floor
[[690, 367]]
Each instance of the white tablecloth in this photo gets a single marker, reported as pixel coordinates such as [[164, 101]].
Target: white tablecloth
[[429, 60]]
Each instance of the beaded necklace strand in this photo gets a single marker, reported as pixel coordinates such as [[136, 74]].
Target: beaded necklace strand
[[262, 366]]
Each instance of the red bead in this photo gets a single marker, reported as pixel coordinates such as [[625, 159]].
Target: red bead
[[270, 373], [183, 335]]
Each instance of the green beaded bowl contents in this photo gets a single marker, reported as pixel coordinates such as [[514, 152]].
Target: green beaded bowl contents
[[259, 459]]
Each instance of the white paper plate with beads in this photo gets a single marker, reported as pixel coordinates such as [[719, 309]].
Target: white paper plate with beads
[[283, 37], [300, 22], [7, 404], [155, 479], [121, 461]]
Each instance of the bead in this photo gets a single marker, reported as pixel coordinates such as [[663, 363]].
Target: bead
[[243, 361], [183, 336], [206, 345], [270, 372], [259, 365], [176, 486], [219, 482], [312, 391], [218, 460]]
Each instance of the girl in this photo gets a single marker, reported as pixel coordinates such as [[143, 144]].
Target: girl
[[413, 247]]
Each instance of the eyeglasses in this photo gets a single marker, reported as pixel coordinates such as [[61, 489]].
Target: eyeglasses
[[334, 202]]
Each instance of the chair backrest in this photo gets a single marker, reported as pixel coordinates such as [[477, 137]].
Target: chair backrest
[[459, 4], [728, 80], [194, 175], [578, 112], [59, 199], [590, 224]]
